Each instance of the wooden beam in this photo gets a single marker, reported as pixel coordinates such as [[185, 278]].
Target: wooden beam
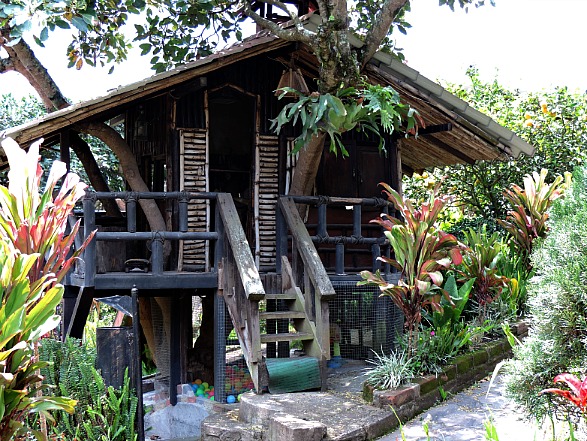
[[435, 129], [447, 148]]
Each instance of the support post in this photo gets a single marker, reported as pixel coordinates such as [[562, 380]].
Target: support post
[[89, 227], [339, 258], [219, 348], [157, 255], [136, 326], [281, 242], [174, 353], [131, 212]]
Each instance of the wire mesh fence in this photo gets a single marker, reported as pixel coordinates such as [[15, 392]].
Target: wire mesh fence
[[362, 322]]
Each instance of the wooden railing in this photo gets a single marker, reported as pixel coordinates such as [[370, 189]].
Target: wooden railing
[[154, 239], [308, 273], [376, 246], [240, 287]]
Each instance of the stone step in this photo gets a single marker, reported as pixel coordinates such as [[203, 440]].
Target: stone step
[[299, 417], [226, 426]]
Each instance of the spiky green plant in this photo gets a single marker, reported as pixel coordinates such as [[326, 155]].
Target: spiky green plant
[[389, 371], [480, 262]]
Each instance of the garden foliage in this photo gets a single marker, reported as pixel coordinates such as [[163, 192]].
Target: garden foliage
[[526, 220], [557, 297], [480, 264], [102, 412], [421, 252], [553, 122], [34, 257]]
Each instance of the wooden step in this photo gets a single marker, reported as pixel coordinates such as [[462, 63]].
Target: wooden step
[[276, 315], [282, 296], [290, 336]]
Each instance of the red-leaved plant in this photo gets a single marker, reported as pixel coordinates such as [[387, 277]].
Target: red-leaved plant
[[34, 257], [526, 221], [421, 252], [578, 393]]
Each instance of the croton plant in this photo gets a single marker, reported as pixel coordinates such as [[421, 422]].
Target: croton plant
[[420, 252], [34, 257]]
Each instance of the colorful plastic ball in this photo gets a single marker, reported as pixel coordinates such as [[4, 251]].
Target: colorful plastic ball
[[206, 385], [198, 382], [230, 399], [239, 397], [199, 392]]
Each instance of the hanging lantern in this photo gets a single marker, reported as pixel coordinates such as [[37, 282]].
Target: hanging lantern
[[293, 78]]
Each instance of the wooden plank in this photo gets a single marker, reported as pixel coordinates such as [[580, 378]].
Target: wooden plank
[[290, 336], [281, 315], [312, 262], [242, 253]]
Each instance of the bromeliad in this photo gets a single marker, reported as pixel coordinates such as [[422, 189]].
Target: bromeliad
[[578, 393]]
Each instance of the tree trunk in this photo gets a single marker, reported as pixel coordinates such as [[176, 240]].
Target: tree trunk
[[28, 65], [83, 152], [307, 167], [129, 167]]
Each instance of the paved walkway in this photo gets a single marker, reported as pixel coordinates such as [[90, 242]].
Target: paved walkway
[[462, 417]]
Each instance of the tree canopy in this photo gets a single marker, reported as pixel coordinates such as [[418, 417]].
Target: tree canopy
[[176, 31], [552, 121]]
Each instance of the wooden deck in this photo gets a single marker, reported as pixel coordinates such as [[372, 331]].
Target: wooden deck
[[149, 280]]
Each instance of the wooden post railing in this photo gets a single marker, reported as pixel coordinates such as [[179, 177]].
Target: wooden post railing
[[308, 271], [241, 288]]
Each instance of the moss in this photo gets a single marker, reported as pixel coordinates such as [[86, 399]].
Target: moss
[[450, 372], [479, 357], [368, 392], [464, 363]]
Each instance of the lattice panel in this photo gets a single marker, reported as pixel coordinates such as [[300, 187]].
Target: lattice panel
[[268, 193], [193, 169]]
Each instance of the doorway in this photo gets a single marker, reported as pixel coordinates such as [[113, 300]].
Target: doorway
[[232, 128]]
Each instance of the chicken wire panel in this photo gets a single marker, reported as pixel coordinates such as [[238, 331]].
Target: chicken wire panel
[[237, 378], [161, 336], [362, 322]]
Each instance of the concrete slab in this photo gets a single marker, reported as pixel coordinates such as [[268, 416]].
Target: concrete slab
[[346, 418]]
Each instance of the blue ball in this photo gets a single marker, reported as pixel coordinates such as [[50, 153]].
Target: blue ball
[[230, 399]]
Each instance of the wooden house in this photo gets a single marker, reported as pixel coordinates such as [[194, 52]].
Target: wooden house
[[201, 136]]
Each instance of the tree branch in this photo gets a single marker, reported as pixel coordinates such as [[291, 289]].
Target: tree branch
[[381, 25], [129, 167], [27, 64], [6, 65], [297, 33], [323, 9]]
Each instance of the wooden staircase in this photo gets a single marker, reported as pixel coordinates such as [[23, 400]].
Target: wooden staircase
[[303, 317]]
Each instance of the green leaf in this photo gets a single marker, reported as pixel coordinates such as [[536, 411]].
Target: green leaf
[[145, 48], [79, 23], [62, 24], [44, 34]]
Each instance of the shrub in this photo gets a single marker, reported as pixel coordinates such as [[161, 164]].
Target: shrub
[[421, 251], [480, 262], [557, 303], [35, 255], [102, 412]]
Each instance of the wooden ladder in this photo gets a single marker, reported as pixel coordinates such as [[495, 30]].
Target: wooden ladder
[[300, 372]]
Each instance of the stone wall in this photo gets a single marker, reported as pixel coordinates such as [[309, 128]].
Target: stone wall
[[424, 392]]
